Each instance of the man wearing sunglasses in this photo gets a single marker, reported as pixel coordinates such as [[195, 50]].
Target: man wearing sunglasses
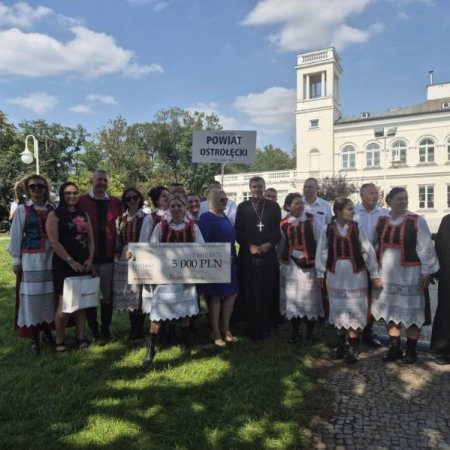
[[103, 210]]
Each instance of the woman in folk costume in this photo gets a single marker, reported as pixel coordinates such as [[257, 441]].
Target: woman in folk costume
[[159, 196], [32, 263], [133, 226], [407, 259], [300, 295], [345, 254], [174, 301]]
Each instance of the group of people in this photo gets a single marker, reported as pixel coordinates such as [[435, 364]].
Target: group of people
[[348, 264]]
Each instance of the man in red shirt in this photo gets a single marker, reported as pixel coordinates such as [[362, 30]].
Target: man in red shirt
[[103, 210]]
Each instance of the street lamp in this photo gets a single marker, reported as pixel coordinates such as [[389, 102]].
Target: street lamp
[[382, 133], [27, 157]]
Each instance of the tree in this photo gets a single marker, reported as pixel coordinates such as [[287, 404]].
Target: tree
[[174, 143], [336, 186], [268, 158], [58, 147], [11, 166]]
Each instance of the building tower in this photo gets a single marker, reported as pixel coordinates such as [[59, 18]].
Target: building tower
[[318, 107]]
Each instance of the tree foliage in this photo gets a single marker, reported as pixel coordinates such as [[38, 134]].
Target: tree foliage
[[336, 186]]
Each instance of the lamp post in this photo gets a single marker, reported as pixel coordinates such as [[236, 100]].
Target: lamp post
[[27, 157], [382, 133]]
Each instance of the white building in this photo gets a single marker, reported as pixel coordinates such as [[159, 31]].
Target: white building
[[407, 147]]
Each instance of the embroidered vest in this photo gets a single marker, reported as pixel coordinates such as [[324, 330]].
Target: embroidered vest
[[344, 247], [168, 234], [299, 237], [402, 237], [156, 218], [129, 231], [34, 235]]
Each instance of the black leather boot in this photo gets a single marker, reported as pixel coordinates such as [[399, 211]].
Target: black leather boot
[[185, 343], [148, 360], [351, 351], [35, 345], [295, 336], [339, 351], [411, 352], [47, 337], [395, 352], [132, 336], [309, 338]]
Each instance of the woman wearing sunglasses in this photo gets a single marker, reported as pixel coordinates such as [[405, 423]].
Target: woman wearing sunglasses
[[32, 262], [133, 226], [70, 234]]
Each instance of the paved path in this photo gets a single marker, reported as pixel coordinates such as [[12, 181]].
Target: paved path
[[375, 406]]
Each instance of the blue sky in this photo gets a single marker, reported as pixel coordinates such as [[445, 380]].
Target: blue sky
[[88, 61]]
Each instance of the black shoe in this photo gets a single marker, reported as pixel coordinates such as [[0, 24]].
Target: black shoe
[[442, 360], [369, 339], [295, 338], [35, 347], [351, 354], [47, 337], [93, 335], [410, 357], [148, 360], [338, 353], [393, 354], [107, 335]]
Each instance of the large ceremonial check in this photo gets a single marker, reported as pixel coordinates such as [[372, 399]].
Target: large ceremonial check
[[164, 263]]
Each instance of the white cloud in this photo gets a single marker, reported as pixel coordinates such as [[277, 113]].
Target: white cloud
[[105, 99], [39, 102], [311, 24], [157, 5], [21, 14], [81, 109], [227, 122], [89, 54], [273, 111]]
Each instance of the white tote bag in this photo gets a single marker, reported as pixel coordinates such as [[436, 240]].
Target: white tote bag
[[80, 293]]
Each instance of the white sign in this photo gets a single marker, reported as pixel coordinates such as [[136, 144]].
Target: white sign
[[224, 147], [164, 263]]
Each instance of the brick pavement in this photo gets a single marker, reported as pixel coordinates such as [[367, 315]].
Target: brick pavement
[[377, 406]]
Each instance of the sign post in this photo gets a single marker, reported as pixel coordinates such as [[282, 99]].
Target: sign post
[[224, 146]]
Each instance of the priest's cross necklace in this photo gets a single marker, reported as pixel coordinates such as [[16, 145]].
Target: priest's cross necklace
[[260, 225]]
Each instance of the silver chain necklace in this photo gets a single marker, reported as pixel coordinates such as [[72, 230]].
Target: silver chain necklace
[[260, 225]]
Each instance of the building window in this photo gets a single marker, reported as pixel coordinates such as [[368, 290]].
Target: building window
[[314, 160], [448, 195], [448, 149], [246, 196], [348, 157], [399, 151], [314, 123], [373, 155], [426, 197], [231, 195], [426, 151], [315, 85]]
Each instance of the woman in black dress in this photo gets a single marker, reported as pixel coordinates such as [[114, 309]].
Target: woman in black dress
[[70, 234]]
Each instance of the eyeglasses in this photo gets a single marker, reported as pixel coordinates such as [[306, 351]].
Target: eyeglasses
[[36, 187], [71, 193], [132, 198]]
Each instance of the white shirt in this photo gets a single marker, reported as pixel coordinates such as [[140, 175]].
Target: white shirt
[[367, 219], [320, 209], [230, 210]]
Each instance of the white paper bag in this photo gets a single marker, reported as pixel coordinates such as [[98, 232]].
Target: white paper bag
[[80, 293]]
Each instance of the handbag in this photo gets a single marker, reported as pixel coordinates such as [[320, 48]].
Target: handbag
[[80, 293]]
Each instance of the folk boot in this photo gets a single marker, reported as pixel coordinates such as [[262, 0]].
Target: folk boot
[[339, 351], [151, 343], [185, 343], [411, 352], [395, 352]]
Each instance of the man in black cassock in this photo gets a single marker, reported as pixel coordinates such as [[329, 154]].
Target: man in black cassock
[[258, 232], [440, 337]]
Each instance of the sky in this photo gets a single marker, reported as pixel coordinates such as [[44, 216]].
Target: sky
[[87, 62]]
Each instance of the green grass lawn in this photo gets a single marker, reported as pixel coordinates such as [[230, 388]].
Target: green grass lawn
[[248, 395]]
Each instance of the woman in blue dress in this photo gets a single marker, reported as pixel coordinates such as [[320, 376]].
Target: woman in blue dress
[[216, 227]]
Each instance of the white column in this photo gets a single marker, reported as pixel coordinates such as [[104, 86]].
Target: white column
[[307, 87], [322, 85]]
